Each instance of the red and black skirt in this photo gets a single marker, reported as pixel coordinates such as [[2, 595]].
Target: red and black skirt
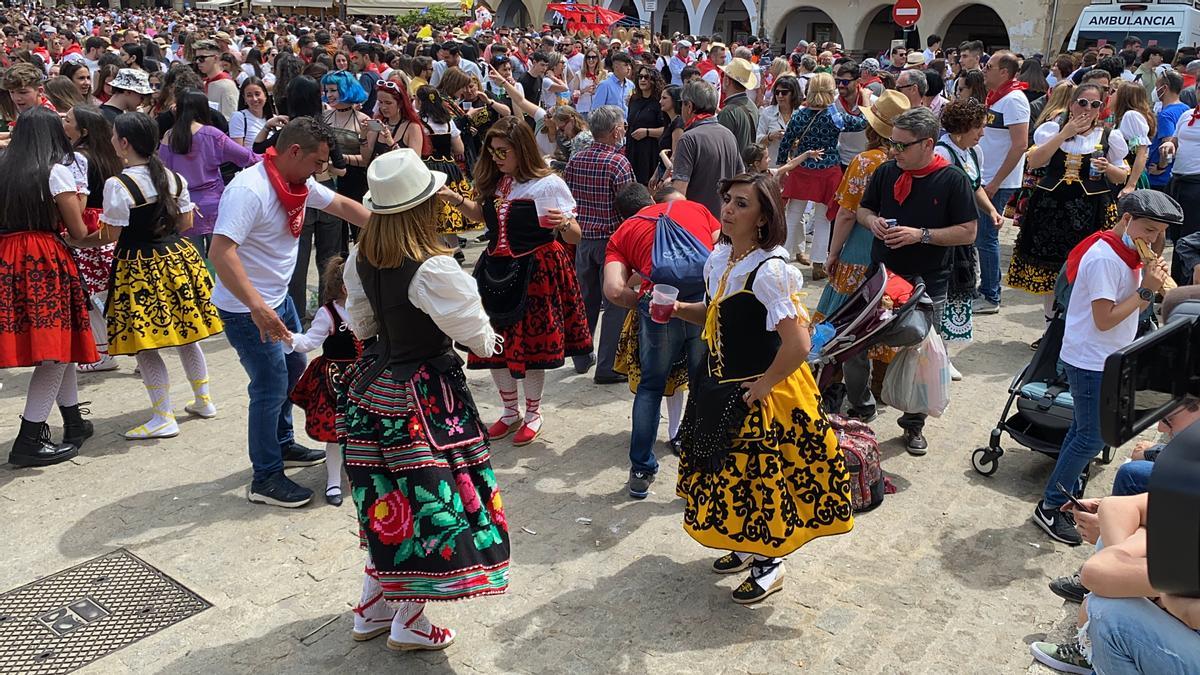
[[43, 304], [316, 392], [553, 323]]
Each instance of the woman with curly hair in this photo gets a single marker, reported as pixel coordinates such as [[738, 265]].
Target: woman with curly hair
[[645, 124]]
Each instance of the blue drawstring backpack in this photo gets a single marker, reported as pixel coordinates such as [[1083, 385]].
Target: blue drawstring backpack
[[677, 258]]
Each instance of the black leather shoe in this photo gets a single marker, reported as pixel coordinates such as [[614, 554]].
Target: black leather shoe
[[333, 495], [583, 363], [76, 430], [33, 447], [279, 490], [915, 443], [611, 378], [296, 455]]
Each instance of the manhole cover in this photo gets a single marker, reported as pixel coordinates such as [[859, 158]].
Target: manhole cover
[[69, 619]]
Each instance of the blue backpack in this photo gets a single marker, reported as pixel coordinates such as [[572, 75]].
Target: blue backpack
[[677, 258]]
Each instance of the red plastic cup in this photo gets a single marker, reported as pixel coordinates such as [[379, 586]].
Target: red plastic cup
[[662, 302]]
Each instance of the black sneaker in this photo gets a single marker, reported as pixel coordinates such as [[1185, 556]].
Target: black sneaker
[[864, 415], [639, 483], [1057, 524], [279, 490], [296, 455], [915, 443], [731, 563], [1069, 588], [611, 378], [583, 363]]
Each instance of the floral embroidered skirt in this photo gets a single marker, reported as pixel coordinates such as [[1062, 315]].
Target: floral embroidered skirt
[[783, 484], [850, 273], [429, 509], [629, 361], [554, 325], [1055, 221], [160, 297], [316, 392], [43, 303], [95, 266], [449, 219]]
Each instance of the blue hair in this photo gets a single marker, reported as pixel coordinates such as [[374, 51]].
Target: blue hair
[[349, 90]]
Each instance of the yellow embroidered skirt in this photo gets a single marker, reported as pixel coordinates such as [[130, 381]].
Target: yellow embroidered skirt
[[629, 363], [783, 483], [160, 297], [449, 219]]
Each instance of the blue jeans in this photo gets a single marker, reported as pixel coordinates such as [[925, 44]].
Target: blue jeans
[[659, 346], [1132, 478], [987, 244], [1083, 441], [1133, 635], [272, 376]]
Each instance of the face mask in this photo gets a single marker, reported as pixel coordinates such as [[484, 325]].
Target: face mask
[[1128, 241]]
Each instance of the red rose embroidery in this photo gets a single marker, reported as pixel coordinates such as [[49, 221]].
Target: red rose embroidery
[[467, 492], [391, 518], [446, 552], [495, 509]]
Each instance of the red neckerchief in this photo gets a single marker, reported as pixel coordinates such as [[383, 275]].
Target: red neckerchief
[[1004, 90], [1195, 114], [688, 124], [851, 104], [72, 49], [292, 196], [1127, 255], [222, 75], [866, 82], [705, 67], [904, 184]]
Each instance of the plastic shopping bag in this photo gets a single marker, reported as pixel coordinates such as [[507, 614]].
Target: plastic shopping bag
[[918, 379]]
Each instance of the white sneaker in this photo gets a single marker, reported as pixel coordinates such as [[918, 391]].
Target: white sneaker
[[418, 633], [207, 410], [955, 376], [106, 363], [154, 429]]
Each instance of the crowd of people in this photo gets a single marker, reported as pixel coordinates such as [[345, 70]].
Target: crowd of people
[[197, 163]]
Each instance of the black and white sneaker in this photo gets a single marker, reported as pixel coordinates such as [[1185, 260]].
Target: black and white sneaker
[[1069, 588], [639, 483], [296, 456], [1057, 524], [279, 490]]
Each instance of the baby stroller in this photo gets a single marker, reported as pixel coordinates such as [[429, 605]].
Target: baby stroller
[[867, 319], [1044, 408]]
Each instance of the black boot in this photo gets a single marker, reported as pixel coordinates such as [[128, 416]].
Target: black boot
[[76, 430], [33, 447]]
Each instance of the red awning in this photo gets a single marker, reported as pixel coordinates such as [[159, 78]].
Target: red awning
[[586, 17]]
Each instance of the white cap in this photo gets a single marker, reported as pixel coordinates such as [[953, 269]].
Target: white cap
[[683, 43]]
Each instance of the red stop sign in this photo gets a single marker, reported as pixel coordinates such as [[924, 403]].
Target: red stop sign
[[906, 13]]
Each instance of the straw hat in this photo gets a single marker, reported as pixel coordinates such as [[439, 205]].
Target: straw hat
[[884, 111], [914, 60], [399, 180], [742, 72]]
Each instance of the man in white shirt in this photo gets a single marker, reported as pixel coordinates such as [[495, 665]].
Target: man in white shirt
[[254, 252], [1005, 139], [1102, 317], [679, 61], [933, 44], [454, 59], [219, 86]]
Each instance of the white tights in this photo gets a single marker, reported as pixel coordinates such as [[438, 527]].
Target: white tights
[[674, 413], [333, 466], [99, 324], [50, 383], [793, 214], [158, 381]]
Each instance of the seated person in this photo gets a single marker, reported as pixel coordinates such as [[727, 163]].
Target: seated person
[[1133, 477]]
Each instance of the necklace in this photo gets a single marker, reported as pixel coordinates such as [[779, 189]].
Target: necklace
[[733, 261]]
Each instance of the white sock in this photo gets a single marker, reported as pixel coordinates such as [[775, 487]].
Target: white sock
[[68, 391], [158, 388], [196, 367], [406, 612], [765, 579], [43, 390], [333, 466], [535, 381], [674, 414], [508, 395], [99, 328]]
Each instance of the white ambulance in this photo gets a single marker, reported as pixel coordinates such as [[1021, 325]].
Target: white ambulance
[[1162, 23]]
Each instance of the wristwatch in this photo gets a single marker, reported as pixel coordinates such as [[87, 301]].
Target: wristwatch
[[926, 237], [1145, 294]]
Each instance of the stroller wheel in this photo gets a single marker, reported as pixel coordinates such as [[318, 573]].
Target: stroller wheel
[[1106, 456], [985, 461]]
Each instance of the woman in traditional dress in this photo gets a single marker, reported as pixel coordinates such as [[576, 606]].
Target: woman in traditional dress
[[474, 111], [43, 304], [91, 137], [1074, 198], [445, 145], [1137, 123], [528, 283], [760, 472], [161, 290], [429, 511]]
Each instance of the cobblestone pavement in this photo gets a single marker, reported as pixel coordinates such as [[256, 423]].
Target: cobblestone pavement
[[947, 576]]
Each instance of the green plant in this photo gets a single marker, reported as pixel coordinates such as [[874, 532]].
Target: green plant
[[436, 16]]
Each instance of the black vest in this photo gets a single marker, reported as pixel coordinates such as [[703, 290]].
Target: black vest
[[139, 235], [1066, 168], [408, 336], [747, 347]]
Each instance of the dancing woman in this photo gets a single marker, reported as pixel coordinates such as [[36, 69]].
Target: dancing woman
[[764, 484]]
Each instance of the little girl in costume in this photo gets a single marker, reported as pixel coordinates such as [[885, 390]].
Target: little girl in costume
[[320, 385]]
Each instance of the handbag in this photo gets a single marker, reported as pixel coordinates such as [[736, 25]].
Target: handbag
[[504, 287]]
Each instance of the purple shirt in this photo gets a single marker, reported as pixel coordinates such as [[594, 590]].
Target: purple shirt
[[202, 169]]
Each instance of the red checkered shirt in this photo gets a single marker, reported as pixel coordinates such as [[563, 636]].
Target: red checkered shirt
[[594, 176]]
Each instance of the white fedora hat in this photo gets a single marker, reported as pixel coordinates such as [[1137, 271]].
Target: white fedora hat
[[399, 180]]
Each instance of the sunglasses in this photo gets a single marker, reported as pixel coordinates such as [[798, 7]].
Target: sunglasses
[[200, 58], [498, 153], [905, 86], [644, 76], [592, 57], [900, 146], [1086, 103], [843, 82], [782, 92]]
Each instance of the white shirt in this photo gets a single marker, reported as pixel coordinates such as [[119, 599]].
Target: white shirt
[[777, 284], [441, 289], [118, 202], [1086, 144], [769, 121], [961, 158], [1008, 111], [253, 218], [1135, 128], [323, 325], [850, 143], [62, 179], [1187, 152], [1102, 276], [244, 126]]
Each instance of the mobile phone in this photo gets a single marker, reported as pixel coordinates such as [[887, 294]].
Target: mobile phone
[[1078, 504], [375, 125]]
